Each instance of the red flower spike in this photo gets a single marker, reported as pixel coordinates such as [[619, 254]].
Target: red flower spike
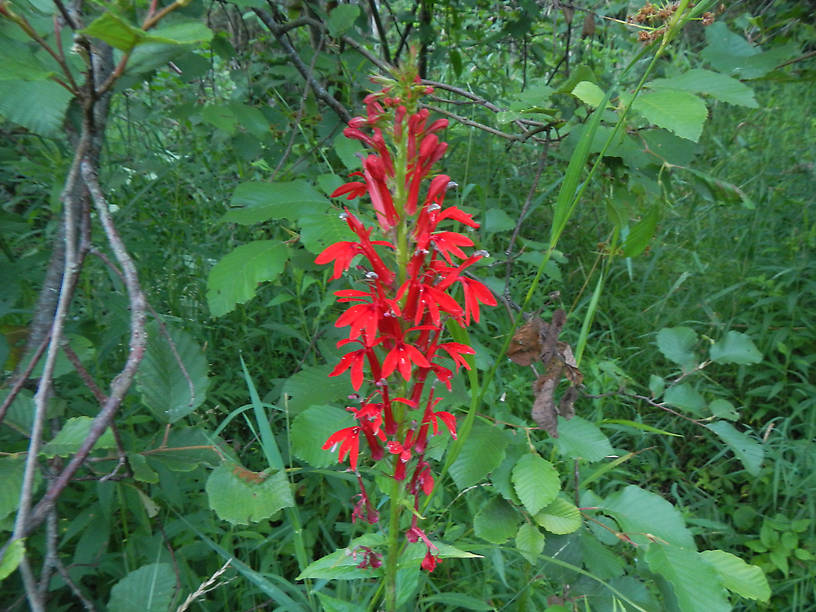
[[475, 292], [355, 361], [341, 253], [456, 350], [401, 357], [449, 242], [351, 190], [349, 441], [457, 215]]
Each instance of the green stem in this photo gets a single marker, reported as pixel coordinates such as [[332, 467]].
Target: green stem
[[392, 558]]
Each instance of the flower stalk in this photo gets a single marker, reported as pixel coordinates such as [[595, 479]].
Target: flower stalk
[[413, 283]]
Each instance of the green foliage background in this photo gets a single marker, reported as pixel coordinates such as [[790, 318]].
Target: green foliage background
[[685, 263]]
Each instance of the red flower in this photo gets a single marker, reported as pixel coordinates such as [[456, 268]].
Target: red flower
[[401, 357], [349, 440]]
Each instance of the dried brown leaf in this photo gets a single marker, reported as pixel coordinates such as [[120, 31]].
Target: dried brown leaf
[[566, 405], [544, 412], [525, 347]]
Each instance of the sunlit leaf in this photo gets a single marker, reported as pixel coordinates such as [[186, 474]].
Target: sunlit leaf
[[747, 450], [241, 497], [696, 587], [560, 517], [675, 110], [496, 521], [735, 347], [72, 435], [640, 512], [481, 455], [737, 576]]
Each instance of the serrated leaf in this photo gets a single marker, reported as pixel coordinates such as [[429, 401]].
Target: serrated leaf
[[497, 220], [560, 517], [318, 230], [737, 576], [685, 397], [695, 586], [480, 456], [747, 450], [723, 409], [115, 31], [12, 557], [310, 430], [71, 437], [256, 202], [341, 18], [20, 414], [535, 481], [580, 439], [715, 84], [38, 106], [234, 279], [677, 344], [313, 386], [147, 589], [530, 542], [737, 348], [730, 52], [221, 117], [496, 521], [11, 480], [641, 512], [589, 93], [675, 110], [160, 380], [241, 497]]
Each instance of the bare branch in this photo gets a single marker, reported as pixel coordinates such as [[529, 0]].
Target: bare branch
[[18, 384]]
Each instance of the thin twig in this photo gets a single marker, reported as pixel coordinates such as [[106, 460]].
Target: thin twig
[[15, 390], [83, 373]]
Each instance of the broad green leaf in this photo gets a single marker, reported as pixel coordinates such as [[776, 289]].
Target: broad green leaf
[[12, 557], [685, 397], [342, 563], [222, 117], [599, 559], [20, 414], [115, 31], [320, 229], [71, 437], [737, 576], [83, 348], [455, 601], [747, 450], [17, 61], [530, 542], [496, 521], [696, 587], [233, 280], [675, 110], [657, 384], [141, 470], [480, 456], [310, 430], [497, 220], [560, 517], [181, 33], [147, 589], [241, 497], [347, 150], [160, 380], [640, 512], [723, 409], [258, 202], [731, 53], [534, 99], [535, 481], [641, 234], [11, 480], [714, 84], [341, 18], [251, 119], [313, 386], [580, 439], [38, 106], [737, 348], [722, 191], [677, 345], [589, 93]]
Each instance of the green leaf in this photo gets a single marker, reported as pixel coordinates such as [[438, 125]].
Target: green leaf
[[21, 412], [560, 517], [580, 439], [115, 31], [535, 481], [695, 586], [233, 280], [497, 220], [685, 397], [737, 576], [496, 521], [730, 52], [310, 430], [677, 344], [341, 18], [313, 386], [641, 233], [342, 563], [181, 33], [321, 229], [657, 384], [530, 542], [747, 450], [641, 512], [222, 117], [11, 481], [141, 470], [38, 106], [589, 93], [164, 388], [722, 192], [18, 62], [71, 437], [12, 557], [675, 110], [257, 202], [147, 589], [723, 409], [481, 455], [714, 84], [737, 348], [240, 497], [599, 559]]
